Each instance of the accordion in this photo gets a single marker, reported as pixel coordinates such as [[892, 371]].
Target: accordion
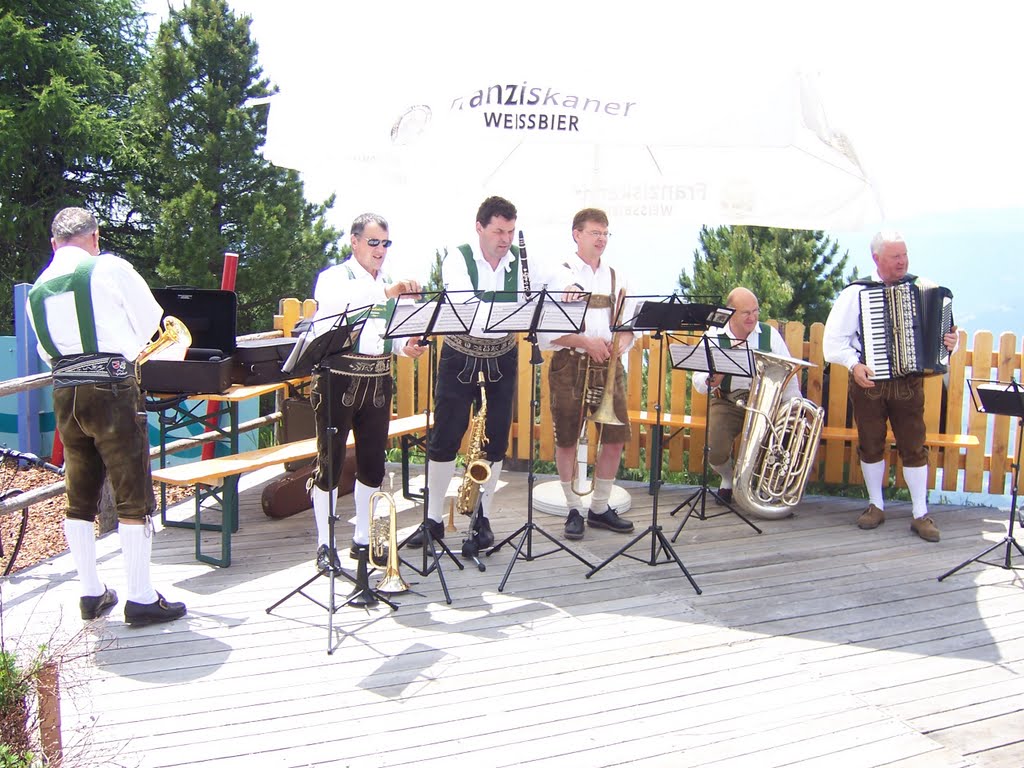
[[902, 327]]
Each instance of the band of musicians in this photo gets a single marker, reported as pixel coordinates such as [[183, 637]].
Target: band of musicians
[[95, 317]]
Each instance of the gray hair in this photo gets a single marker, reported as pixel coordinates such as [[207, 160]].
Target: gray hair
[[363, 219], [883, 237], [70, 223]]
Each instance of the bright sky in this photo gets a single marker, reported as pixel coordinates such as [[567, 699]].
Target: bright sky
[[927, 94]]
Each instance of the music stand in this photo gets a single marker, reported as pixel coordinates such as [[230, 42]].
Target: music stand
[[324, 338], [541, 312], [708, 356], [435, 315], [668, 313], [1002, 399]]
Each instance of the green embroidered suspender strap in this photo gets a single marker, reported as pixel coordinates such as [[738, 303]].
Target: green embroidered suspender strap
[[511, 277], [78, 282], [764, 344], [377, 311]]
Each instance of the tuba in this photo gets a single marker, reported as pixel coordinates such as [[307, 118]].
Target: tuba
[[383, 549], [778, 441], [478, 470]]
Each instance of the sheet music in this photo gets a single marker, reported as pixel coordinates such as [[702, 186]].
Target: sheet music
[[736, 361], [456, 318], [413, 319], [563, 317], [511, 314]]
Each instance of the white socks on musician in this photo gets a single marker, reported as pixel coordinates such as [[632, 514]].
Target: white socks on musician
[[439, 475], [321, 513], [917, 483], [81, 538], [572, 499], [364, 514], [487, 492], [602, 492], [874, 476], [137, 547], [725, 471]]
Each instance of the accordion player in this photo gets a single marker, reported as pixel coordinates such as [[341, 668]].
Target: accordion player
[[902, 327]]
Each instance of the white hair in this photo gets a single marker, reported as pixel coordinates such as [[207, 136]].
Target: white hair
[[883, 237]]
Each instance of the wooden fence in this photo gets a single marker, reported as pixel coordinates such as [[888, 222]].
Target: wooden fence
[[948, 407]]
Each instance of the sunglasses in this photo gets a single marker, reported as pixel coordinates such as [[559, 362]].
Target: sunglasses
[[373, 242]]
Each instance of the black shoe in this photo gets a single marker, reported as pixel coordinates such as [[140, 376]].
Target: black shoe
[[140, 614], [609, 519], [574, 525], [94, 607], [326, 558], [725, 494], [436, 530], [356, 551], [482, 532]]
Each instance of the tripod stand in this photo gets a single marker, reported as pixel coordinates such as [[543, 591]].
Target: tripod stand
[[560, 319], [659, 316], [1004, 400], [436, 315], [310, 355], [707, 356]]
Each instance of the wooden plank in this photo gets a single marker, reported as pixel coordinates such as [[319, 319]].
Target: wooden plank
[[954, 412], [978, 422], [1001, 425], [835, 452]]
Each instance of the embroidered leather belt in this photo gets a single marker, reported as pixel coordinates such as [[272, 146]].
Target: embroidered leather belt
[[98, 368], [362, 365], [477, 346], [600, 301]]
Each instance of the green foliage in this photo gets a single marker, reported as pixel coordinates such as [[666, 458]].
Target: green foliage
[[14, 715], [435, 282], [10, 758], [796, 274], [64, 123], [207, 189]]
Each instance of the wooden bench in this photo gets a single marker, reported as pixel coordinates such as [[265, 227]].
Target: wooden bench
[[677, 422], [223, 472]]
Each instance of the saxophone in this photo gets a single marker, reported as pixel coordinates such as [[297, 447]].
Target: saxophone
[[478, 470]]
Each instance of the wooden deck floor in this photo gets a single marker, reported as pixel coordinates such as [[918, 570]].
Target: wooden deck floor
[[813, 643]]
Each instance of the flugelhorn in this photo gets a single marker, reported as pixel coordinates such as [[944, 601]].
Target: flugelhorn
[[604, 415], [383, 549], [173, 332]]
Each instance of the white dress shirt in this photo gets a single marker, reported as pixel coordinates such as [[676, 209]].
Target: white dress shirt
[[125, 312], [455, 277]]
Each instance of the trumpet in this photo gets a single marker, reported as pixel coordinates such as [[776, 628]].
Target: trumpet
[[383, 549], [602, 396]]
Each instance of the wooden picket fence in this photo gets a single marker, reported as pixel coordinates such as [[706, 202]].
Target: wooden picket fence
[[949, 409]]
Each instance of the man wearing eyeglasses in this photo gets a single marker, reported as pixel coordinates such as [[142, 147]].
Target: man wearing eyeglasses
[[359, 381], [489, 265], [577, 378], [725, 417]]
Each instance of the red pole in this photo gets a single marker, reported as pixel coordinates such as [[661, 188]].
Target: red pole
[[227, 283]]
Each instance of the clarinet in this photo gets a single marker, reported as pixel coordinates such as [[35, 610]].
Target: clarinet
[[535, 358]]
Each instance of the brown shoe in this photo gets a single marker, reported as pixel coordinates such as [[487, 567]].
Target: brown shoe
[[872, 517], [925, 528]]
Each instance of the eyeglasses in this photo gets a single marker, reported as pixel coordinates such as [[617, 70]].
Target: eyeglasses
[[373, 242], [596, 234]]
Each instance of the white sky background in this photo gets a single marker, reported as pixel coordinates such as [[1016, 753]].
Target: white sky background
[[927, 93]]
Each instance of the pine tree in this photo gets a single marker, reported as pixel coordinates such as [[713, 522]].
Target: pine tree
[[202, 107], [65, 68], [795, 274]]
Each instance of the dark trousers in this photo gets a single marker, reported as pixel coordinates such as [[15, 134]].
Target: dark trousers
[[455, 394], [901, 403], [103, 427], [358, 404]]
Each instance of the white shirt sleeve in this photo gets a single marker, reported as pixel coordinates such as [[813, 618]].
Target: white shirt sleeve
[[841, 342]]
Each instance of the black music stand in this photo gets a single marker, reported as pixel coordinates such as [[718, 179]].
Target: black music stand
[[1001, 399], [709, 357], [324, 338], [667, 313], [540, 312], [437, 314]]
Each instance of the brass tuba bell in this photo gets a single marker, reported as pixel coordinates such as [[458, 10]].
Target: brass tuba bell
[[173, 332]]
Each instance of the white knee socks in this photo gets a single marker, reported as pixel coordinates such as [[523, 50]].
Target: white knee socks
[[917, 483], [321, 510], [81, 540], [874, 476], [726, 472], [439, 475], [362, 495], [487, 492], [137, 547]]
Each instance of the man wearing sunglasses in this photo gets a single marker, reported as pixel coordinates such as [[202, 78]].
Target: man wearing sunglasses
[[490, 266], [359, 381]]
